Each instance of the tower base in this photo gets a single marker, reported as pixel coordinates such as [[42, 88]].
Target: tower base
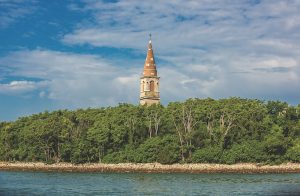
[[148, 102]]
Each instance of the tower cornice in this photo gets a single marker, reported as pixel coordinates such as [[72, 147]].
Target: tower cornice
[[142, 77]]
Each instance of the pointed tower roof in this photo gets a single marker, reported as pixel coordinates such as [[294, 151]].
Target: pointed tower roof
[[149, 66]]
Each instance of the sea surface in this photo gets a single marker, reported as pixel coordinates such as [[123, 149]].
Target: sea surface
[[60, 183]]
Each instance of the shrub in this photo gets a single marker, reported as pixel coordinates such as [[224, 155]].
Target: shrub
[[124, 156], [293, 153], [207, 155], [169, 151], [251, 151]]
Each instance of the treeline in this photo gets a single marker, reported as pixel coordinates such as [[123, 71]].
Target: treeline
[[198, 130]]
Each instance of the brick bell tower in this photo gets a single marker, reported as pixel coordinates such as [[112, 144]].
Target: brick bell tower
[[149, 93]]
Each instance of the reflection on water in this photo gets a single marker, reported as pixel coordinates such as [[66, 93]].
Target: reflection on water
[[43, 183]]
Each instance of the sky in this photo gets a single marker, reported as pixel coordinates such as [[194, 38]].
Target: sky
[[90, 53]]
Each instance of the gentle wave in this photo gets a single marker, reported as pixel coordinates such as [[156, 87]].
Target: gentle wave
[[54, 183]]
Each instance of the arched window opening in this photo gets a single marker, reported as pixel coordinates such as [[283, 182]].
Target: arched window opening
[[151, 86], [143, 86], [147, 87]]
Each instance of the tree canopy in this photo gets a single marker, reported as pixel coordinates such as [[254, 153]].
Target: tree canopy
[[227, 131]]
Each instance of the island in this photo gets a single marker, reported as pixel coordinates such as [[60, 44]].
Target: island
[[197, 136]]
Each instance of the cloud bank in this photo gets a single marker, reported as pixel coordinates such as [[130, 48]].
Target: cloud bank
[[73, 80]]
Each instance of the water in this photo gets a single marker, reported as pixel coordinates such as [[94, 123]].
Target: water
[[50, 183]]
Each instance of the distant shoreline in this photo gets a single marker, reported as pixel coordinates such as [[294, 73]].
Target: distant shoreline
[[151, 167]]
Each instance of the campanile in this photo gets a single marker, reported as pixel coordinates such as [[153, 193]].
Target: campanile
[[149, 83]]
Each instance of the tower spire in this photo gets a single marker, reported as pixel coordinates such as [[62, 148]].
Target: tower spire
[[150, 66], [149, 93]]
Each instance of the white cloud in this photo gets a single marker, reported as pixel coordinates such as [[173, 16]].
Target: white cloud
[[19, 87], [193, 32], [12, 10], [73, 80]]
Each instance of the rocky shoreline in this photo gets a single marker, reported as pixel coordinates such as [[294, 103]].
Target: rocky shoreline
[[152, 167]]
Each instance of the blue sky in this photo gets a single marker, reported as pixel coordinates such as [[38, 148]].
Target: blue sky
[[79, 54]]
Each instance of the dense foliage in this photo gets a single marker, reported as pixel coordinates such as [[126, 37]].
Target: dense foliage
[[198, 130]]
